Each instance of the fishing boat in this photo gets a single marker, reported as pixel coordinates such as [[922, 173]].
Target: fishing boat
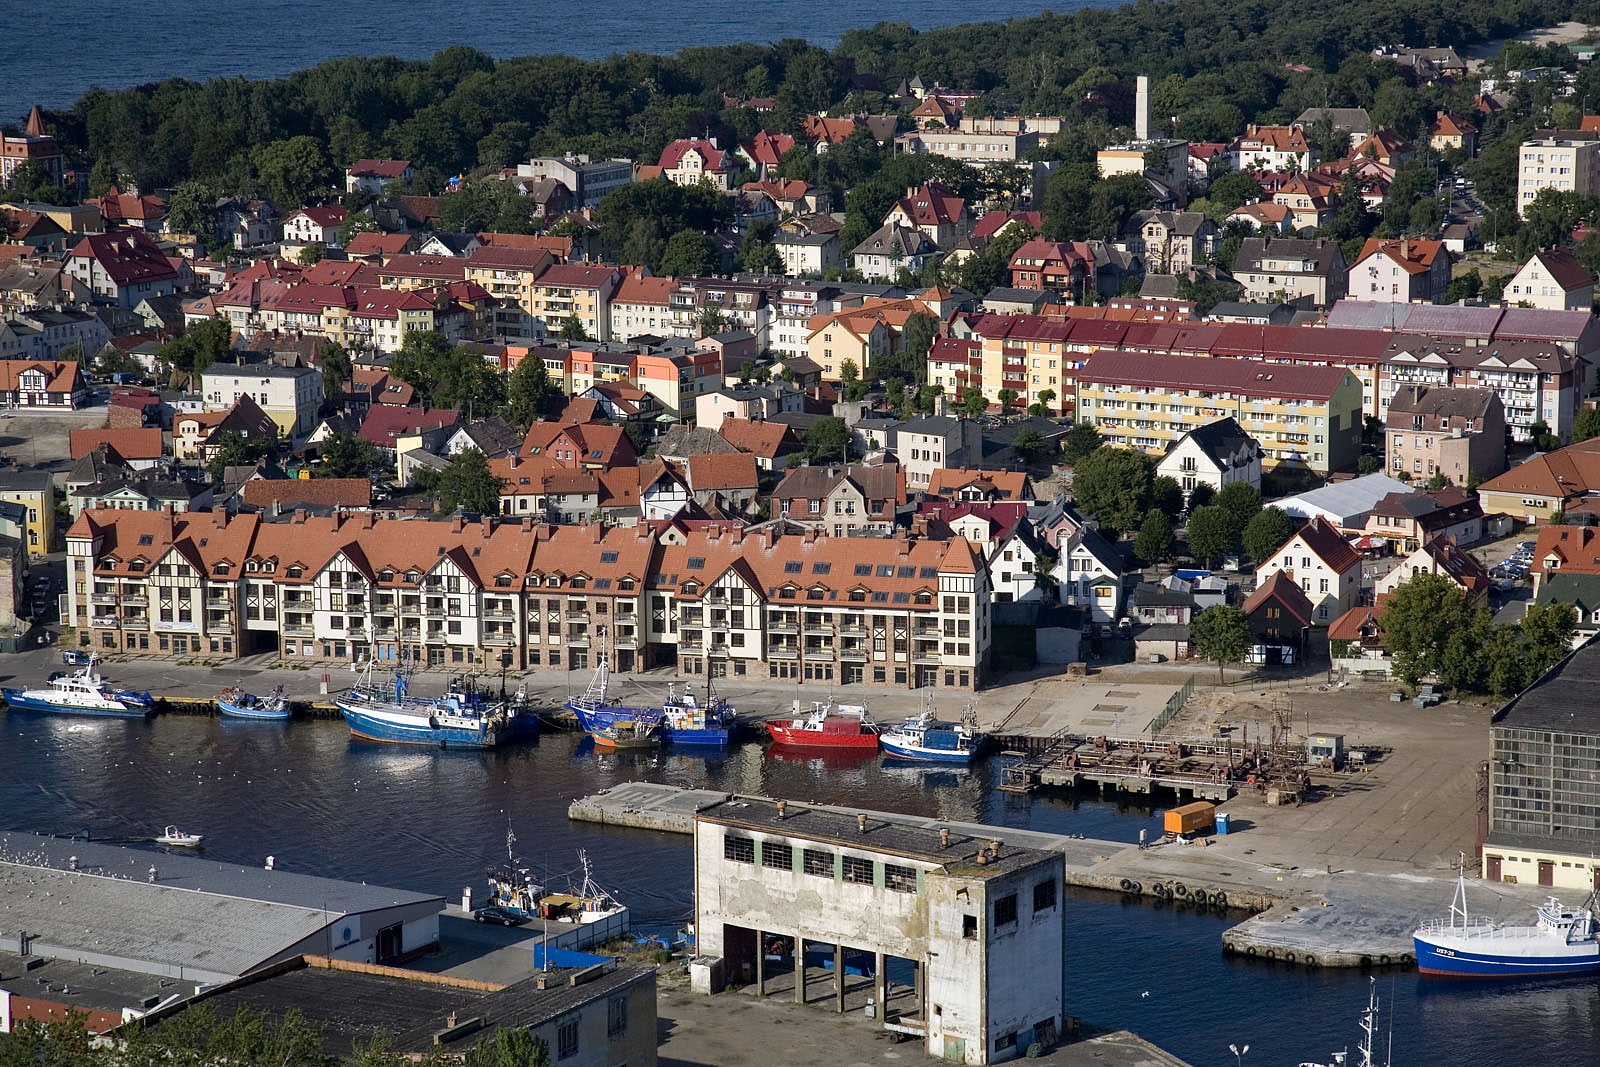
[[177, 838], [922, 737], [626, 734], [81, 693], [1560, 941], [827, 725], [235, 703], [1369, 1030], [386, 713], [683, 720], [512, 887]]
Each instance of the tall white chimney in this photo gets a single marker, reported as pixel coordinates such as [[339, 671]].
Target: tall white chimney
[[1141, 109]]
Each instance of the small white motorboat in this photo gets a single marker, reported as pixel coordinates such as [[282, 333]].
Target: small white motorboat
[[177, 838]]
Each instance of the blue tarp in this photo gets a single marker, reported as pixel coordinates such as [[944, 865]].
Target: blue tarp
[[564, 957]]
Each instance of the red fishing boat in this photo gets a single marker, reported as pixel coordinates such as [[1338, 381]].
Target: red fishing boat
[[827, 725]]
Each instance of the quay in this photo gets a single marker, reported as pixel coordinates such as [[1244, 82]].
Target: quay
[[1303, 913]]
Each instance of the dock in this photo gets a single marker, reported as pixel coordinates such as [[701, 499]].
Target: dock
[[1301, 915]]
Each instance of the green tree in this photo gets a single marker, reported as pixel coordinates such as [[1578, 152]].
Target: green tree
[[448, 376], [1586, 425], [466, 483], [294, 171], [345, 455], [233, 449], [1241, 501], [337, 366], [973, 402], [354, 223], [1547, 631], [688, 253], [1154, 543], [572, 329], [854, 388], [1030, 446], [1221, 634], [827, 439], [1418, 621], [200, 345], [1211, 532], [1080, 442], [1113, 484], [1008, 400], [192, 208], [916, 338], [1040, 408], [1167, 494], [1266, 531], [530, 394], [312, 254], [1201, 495], [509, 1048]]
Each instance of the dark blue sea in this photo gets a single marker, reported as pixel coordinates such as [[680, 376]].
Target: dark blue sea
[[434, 821], [54, 54]]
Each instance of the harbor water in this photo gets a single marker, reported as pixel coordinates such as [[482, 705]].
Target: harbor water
[[434, 821]]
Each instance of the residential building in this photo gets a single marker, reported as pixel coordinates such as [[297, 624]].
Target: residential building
[[808, 254], [969, 146], [847, 335], [1280, 617], [1303, 416], [1569, 550], [1408, 521], [842, 501], [940, 214], [575, 290], [145, 492], [1264, 216], [926, 445], [1355, 123], [886, 611], [1582, 592], [1290, 270], [1453, 133], [34, 146], [312, 226], [1130, 158], [30, 383], [979, 924], [1561, 162], [967, 486], [1025, 353], [1052, 266], [1553, 279], [1440, 556], [139, 449], [42, 335], [1407, 270], [1216, 454], [511, 276], [764, 152], [641, 306], [589, 180], [33, 491], [1318, 560], [1273, 148], [756, 402], [691, 160], [290, 395], [891, 248], [727, 482], [677, 374], [122, 267], [1459, 433], [1311, 201], [1169, 242], [1547, 484], [1543, 826], [375, 175]]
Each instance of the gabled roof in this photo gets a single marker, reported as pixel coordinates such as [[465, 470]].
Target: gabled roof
[[1004, 485], [1327, 544], [130, 443], [895, 240], [766, 440], [325, 217], [715, 159], [1415, 255], [378, 168], [735, 470], [290, 493], [1220, 440], [129, 257], [767, 148], [1281, 588], [1350, 625], [1456, 563], [1244, 377], [1563, 268], [384, 422], [1565, 472], [932, 205]]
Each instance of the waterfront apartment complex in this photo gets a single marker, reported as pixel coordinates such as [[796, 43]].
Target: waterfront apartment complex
[[1303, 417], [716, 600]]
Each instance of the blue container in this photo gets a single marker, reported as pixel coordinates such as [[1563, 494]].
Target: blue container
[[1222, 822]]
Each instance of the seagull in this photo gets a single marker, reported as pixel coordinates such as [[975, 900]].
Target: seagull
[[1146, 993]]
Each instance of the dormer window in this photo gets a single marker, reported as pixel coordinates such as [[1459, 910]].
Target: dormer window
[[295, 572]]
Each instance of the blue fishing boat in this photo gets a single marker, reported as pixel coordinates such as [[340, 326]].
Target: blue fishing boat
[[386, 713], [1561, 941], [81, 693], [924, 738], [682, 719], [235, 703]]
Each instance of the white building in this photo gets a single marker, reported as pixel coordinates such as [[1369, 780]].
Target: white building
[[1552, 279], [1216, 454], [1319, 560], [1559, 163], [979, 921], [290, 395]]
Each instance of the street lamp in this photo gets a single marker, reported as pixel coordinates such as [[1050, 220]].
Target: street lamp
[[1238, 1054]]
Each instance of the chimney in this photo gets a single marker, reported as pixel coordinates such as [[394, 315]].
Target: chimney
[[1141, 108], [783, 805], [861, 826], [944, 837], [994, 849], [457, 524]]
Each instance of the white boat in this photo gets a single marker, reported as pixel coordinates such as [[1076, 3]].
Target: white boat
[[1369, 1028], [81, 693], [178, 839], [922, 737], [1560, 941]]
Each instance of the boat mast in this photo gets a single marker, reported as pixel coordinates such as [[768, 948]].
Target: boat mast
[[1369, 1020], [1458, 903]]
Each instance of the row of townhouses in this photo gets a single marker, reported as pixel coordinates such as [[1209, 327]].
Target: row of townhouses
[[715, 601]]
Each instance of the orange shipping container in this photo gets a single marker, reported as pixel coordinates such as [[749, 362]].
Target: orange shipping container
[[1191, 817]]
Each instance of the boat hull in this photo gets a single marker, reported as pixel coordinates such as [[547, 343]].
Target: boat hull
[[20, 700], [237, 711], [910, 750], [632, 744], [400, 729], [833, 741], [1462, 958], [592, 718]]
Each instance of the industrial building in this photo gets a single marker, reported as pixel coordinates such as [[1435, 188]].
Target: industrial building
[[195, 920], [960, 941], [1544, 811]]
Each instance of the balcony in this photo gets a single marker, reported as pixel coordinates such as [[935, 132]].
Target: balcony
[[499, 613], [819, 652], [928, 656], [298, 630], [106, 620], [783, 652], [819, 628], [103, 598], [577, 616], [578, 640], [784, 626], [854, 653], [697, 645], [500, 638], [411, 633], [135, 600], [853, 628], [627, 641]]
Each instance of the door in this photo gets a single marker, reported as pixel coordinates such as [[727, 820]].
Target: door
[[389, 946], [1492, 866], [1547, 872], [955, 1048]]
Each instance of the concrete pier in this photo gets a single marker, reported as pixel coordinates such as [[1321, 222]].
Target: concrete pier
[[1304, 915]]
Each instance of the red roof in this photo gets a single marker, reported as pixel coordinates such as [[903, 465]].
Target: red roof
[[577, 276], [385, 422], [379, 168], [1415, 255], [129, 257], [1282, 588], [320, 492], [767, 148], [714, 157], [1245, 377], [725, 470], [326, 217], [130, 444], [374, 244], [1328, 544], [994, 221], [1564, 268]]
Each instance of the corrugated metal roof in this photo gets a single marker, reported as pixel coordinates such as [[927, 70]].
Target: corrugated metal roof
[[209, 918], [1342, 501], [1451, 320]]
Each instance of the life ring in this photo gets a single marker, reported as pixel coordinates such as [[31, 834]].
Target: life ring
[[1383, 961], [1127, 885], [1181, 890]]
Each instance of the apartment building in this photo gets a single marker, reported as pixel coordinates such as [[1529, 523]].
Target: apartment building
[[1025, 353], [1303, 417], [1567, 161], [290, 395], [575, 290], [641, 307], [511, 275], [1290, 269], [969, 146], [1459, 433], [843, 501], [717, 601], [1409, 270], [589, 180]]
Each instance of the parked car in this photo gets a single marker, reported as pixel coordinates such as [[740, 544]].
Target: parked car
[[494, 913], [76, 657]]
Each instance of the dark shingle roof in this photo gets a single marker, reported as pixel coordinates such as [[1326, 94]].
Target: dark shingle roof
[[1561, 700]]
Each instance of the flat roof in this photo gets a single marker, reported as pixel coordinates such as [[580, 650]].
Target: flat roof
[[82, 985], [833, 826], [1562, 700]]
